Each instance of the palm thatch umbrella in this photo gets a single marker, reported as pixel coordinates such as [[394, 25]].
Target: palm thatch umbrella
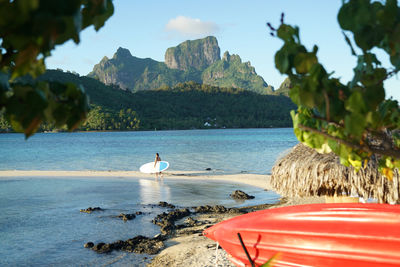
[[305, 172]]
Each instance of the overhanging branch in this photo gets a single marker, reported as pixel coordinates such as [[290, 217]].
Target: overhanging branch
[[384, 152]]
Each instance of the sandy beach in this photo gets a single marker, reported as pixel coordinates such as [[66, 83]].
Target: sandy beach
[[186, 247], [258, 180]]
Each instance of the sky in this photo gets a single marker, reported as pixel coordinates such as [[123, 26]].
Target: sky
[[148, 28]]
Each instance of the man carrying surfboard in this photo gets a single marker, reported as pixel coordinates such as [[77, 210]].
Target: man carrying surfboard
[[157, 166], [155, 163]]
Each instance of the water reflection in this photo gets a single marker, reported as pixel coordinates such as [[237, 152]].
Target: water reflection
[[152, 191]]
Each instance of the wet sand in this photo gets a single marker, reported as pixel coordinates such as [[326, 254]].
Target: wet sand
[[258, 180]]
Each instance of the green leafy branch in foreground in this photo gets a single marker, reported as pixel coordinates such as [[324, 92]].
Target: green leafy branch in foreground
[[29, 31], [353, 120]]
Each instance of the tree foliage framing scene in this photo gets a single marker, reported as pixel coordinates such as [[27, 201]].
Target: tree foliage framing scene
[[214, 118], [29, 31], [354, 120]]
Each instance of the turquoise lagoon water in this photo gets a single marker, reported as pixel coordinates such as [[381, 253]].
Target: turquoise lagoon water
[[227, 151], [40, 222]]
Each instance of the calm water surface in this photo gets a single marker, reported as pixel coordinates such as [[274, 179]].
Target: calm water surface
[[228, 150], [40, 222]]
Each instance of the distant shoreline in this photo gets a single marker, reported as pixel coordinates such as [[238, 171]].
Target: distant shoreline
[[144, 130], [257, 180]]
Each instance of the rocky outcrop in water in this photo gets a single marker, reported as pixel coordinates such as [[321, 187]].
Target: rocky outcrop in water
[[215, 209], [167, 220], [90, 209], [165, 205], [127, 217], [138, 244], [238, 194]]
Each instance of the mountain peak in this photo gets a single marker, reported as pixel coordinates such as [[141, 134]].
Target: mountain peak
[[122, 53], [192, 60], [193, 54]]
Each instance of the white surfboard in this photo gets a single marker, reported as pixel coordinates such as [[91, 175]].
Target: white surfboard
[[149, 167]]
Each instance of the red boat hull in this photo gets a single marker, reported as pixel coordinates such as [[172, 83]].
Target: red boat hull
[[342, 234]]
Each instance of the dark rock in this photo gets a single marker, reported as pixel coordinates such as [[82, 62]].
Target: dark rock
[[127, 217], [90, 209], [138, 244], [166, 205], [89, 245], [210, 209], [211, 245], [234, 210], [238, 194], [190, 221], [102, 248], [215, 209], [149, 246], [167, 220], [118, 245], [142, 244], [208, 169]]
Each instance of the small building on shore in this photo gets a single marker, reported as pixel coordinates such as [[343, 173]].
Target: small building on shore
[[304, 172]]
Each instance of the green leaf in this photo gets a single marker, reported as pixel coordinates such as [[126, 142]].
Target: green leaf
[[68, 105], [304, 61], [355, 124], [287, 33], [282, 61], [4, 88], [357, 164], [96, 12], [30, 29], [25, 109], [294, 94], [345, 17], [356, 103], [373, 78], [270, 262]]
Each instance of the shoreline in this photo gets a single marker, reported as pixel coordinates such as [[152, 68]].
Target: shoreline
[[188, 247], [184, 247], [257, 180]]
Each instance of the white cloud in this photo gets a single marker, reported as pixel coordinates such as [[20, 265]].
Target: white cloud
[[190, 27]]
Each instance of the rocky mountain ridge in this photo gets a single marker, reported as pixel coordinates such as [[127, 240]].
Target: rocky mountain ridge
[[197, 54], [193, 60]]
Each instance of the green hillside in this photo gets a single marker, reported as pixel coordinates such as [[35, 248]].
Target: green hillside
[[185, 106]]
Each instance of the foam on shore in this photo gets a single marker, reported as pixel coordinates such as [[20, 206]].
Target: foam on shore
[[257, 180]]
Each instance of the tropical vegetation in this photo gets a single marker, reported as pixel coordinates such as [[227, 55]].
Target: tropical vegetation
[[354, 120], [29, 31], [187, 105]]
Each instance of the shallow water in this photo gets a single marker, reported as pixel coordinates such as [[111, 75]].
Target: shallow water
[[227, 150], [40, 222]]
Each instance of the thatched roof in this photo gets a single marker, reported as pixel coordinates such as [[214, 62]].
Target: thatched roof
[[305, 172]]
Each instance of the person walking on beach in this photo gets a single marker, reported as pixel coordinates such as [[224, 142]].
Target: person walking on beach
[[155, 163]]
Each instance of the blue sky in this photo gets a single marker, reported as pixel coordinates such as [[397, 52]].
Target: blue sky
[[148, 28]]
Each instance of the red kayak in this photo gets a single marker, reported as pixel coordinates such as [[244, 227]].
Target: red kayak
[[340, 234]]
